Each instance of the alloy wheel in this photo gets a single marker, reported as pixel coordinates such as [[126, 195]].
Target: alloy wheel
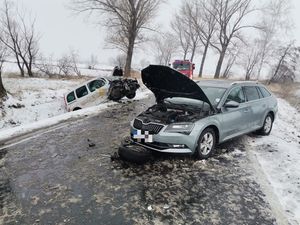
[[268, 124], [207, 143]]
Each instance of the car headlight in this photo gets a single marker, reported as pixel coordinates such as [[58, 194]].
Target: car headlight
[[184, 128]]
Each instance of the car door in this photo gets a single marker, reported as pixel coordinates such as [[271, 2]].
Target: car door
[[256, 105], [82, 95], [234, 119], [98, 90]]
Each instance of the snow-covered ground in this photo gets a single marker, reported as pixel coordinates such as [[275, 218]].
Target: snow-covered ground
[[279, 158], [36, 103], [35, 99]]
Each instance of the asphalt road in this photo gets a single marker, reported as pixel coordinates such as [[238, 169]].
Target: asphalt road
[[66, 176]]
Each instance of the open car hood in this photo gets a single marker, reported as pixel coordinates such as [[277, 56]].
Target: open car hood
[[166, 82]]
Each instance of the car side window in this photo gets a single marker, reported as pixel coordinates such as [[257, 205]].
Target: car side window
[[82, 91], [71, 97], [95, 84], [264, 92], [236, 95], [251, 93]]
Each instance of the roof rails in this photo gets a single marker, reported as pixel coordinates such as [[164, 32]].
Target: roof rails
[[245, 82]]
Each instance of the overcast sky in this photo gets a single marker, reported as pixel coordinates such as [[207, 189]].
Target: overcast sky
[[61, 30]]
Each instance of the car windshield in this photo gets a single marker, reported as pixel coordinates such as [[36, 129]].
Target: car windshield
[[214, 94], [181, 66]]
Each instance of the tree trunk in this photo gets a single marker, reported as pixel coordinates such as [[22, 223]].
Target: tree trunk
[[129, 57], [2, 89], [21, 67], [220, 62], [247, 75], [193, 52], [184, 55], [203, 59], [29, 69]]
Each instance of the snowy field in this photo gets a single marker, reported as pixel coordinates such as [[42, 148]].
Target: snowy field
[[99, 70], [279, 158], [34, 99]]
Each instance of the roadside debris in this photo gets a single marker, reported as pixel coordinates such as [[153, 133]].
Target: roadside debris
[[131, 152], [91, 144], [122, 87]]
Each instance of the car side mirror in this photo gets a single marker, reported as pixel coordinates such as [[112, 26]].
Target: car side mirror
[[231, 104]]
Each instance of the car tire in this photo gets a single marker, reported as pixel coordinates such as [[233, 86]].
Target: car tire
[[131, 95], [268, 125], [115, 94], [131, 152], [206, 144]]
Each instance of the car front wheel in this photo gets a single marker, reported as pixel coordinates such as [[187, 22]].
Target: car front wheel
[[267, 127], [206, 144]]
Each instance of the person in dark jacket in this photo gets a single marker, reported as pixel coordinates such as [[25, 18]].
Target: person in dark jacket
[[117, 72]]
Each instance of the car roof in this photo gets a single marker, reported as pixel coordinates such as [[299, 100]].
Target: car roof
[[85, 83], [215, 83], [224, 83]]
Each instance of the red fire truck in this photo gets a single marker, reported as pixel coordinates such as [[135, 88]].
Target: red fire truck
[[185, 67]]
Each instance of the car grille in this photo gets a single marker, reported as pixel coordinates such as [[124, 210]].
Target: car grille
[[153, 128]]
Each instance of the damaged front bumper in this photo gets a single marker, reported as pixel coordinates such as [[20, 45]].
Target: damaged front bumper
[[164, 141]]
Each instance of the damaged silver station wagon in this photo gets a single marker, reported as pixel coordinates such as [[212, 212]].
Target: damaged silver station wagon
[[192, 117]]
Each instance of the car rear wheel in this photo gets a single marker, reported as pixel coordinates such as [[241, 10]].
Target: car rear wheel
[[268, 125], [206, 144]]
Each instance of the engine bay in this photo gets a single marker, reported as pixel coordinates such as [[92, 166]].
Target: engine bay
[[173, 113]]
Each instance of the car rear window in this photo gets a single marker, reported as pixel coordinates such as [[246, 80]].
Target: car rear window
[[251, 93], [82, 91], [264, 92], [71, 97]]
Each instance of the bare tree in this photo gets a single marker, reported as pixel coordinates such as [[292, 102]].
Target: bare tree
[[45, 66], [19, 37], [202, 18], [127, 19], [186, 31], [182, 33], [64, 66], [3, 55], [250, 63], [74, 58], [229, 15], [285, 68], [274, 23], [164, 47], [68, 64], [232, 55]]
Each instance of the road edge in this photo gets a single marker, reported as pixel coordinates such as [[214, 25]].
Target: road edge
[[271, 197]]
